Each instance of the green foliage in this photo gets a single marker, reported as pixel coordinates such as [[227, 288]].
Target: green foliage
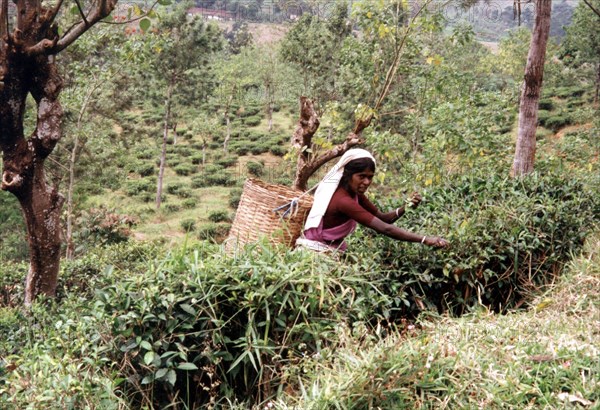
[[557, 121], [13, 241], [254, 168], [278, 150], [219, 216], [188, 225], [234, 197], [145, 169], [214, 232], [138, 186], [222, 178], [230, 320], [226, 162], [508, 237], [189, 203], [185, 169], [252, 121], [101, 226], [179, 189]]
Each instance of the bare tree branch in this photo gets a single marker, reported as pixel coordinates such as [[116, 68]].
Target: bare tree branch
[[595, 10], [55, 11], [103, 9], [81, 13]]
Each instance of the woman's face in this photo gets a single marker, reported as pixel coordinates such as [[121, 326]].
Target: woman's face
[[360, 182]]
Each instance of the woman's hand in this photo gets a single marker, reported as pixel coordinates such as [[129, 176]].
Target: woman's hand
[[414, 200], [436, 242]]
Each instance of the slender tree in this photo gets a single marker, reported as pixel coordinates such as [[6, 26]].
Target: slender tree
[[531, 90], [178, 62]]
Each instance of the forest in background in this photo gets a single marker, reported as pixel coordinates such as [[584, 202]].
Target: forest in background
[[265, 328]]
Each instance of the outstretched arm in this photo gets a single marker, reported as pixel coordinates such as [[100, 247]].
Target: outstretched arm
[[394, 232]]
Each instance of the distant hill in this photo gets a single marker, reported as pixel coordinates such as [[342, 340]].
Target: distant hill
[[491, 22]]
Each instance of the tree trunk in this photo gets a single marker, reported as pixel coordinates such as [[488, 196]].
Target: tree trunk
[[163, 152], [23, 162], [270, 116], [227, 125], [307, 126], [531, 90]]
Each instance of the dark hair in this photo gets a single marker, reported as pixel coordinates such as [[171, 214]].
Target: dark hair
[[355, 166]]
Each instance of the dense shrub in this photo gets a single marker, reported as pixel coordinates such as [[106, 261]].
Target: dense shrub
[[242, 150], [227, 162], [179, 189], [139, 186], [252, 121], [145, 169], [256, 135], [215, 232], [278, 150], [508, 236], [102, 226], [146, 153], [197, 159], [184, 150], [556, 122], [546, 104], [256, 169], [234, 319], [234, 197], [222, 178], [189, 203], [219, 216], [249, 110], [260, 149], [185, 169], [212, 168], [171, 208], [188, 225]]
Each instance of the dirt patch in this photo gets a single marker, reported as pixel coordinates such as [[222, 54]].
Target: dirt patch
[[493, 47], [262, 33], [562, 132]]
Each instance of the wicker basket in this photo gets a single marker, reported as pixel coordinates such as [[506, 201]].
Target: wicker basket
[[256, 216]]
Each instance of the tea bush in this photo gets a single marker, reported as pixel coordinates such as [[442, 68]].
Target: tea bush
[[558, 121], [234, 324], [185, 169], [145, 169], [189, 203], [254, 168], [179, 189], [234, 197], [219, 216], [508, 237], [252, 121], [138, 186], [222, 178], [188, 225], [278, 150], [227, 162], [197, 159]]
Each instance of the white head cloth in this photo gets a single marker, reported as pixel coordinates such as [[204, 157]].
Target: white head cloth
[[329, 184]]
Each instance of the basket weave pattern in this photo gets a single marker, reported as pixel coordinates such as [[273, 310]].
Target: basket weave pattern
[[255, 216]]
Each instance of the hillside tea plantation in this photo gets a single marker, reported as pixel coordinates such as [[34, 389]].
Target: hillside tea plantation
[[165, 117]]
